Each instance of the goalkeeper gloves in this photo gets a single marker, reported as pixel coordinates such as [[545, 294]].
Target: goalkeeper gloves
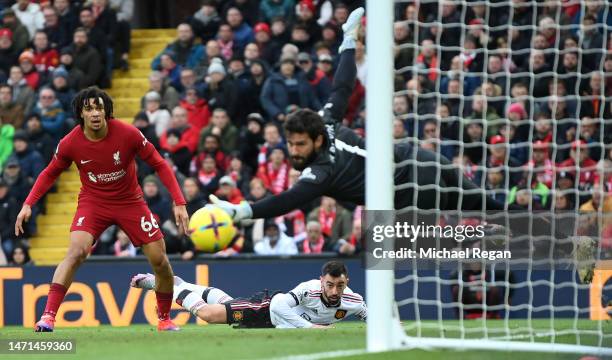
[[351, 29], [238, 212]]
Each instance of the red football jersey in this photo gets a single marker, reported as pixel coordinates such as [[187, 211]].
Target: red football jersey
[[106, 167]]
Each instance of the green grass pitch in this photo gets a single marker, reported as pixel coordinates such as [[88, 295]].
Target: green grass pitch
[[223, 342]]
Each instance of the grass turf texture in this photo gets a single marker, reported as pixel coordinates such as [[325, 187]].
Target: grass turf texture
[[224, 342]]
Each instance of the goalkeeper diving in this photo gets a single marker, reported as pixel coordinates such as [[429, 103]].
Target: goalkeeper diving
[[316, 303], [331, 158]]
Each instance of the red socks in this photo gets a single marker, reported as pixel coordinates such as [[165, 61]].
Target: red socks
[[58, 291], [55, 298], [164, 303]]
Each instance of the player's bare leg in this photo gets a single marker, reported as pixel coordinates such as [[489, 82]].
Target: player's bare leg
[[80, 246], [213, 314], [164, 280]]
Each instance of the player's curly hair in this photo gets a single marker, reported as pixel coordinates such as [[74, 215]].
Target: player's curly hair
[[82, 98], [305, 121]]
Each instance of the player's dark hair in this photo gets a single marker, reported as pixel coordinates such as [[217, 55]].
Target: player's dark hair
[[82, 98], [305, 121], [334, 268]]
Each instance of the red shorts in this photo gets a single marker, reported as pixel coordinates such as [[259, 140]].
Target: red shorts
[[135, 219]]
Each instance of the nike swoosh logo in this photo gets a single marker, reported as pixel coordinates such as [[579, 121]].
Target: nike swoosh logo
[[85, 161], [153, 233]]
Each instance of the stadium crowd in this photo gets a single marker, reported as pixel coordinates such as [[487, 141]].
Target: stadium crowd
[[517, 95]]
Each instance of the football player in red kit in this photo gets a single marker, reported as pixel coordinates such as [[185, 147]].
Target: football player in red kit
[[103, 149]]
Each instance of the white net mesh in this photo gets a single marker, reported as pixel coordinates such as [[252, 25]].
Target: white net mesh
[[516, 93]]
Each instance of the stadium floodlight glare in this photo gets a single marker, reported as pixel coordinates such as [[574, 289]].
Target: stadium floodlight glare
[[534, 331]]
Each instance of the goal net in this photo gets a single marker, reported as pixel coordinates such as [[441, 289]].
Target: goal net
[[515, 94]]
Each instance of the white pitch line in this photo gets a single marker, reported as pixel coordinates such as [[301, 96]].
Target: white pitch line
[[323, 355]]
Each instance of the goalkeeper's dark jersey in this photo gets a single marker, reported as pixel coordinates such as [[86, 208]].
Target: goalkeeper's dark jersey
[[338, 170]]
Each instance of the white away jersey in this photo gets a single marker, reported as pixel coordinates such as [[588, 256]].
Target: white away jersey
[[310, 305]]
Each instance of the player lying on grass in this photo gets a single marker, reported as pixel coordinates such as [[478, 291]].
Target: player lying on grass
[[312, 304], [103, 150], [331, 158]]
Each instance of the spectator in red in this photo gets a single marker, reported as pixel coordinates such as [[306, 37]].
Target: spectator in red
[[225, 39], [336, 222], [543, 128], [262, 40], [541, 165], [604, 170], [295, 221], [180, 140], [26, 62], [8, 52], [315, 242], [517, 114], [275, 172], [428, 59], [579, 159], [306, 12], [499, 156], [208, 176], [212, 147], [198, 114], [46, 58], [228, 190]]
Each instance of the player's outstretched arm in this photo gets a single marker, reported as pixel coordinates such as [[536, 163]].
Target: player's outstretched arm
[[281, 307], [346, 73], [299, 194]]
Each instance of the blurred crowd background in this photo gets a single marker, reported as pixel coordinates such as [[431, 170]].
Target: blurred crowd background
[[515, 93]]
